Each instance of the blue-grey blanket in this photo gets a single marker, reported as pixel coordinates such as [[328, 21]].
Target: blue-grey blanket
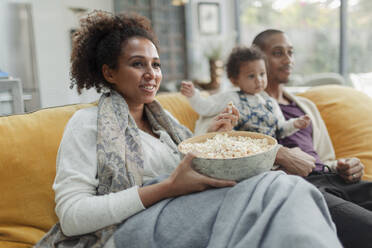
[[268, 210]]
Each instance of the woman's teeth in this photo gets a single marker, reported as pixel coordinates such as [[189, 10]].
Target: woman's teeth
[[149, 87]]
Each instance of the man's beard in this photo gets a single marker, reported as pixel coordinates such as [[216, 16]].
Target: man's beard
[[284, 81]]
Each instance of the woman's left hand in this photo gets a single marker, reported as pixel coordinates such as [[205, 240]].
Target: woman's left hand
[[350, 169], [225, 121]]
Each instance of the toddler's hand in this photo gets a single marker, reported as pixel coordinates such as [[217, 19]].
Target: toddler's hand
[[302, 122], [187, 88]]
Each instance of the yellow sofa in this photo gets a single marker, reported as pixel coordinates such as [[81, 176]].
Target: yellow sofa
[[29, 143]]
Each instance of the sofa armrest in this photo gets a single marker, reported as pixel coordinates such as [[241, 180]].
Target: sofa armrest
[[28, 149]]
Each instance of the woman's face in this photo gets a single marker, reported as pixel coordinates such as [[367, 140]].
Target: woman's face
[[138, 75]]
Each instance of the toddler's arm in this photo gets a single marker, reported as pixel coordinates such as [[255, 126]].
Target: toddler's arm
[[302, 122], [206, 106], [288, 127], [187, 88]]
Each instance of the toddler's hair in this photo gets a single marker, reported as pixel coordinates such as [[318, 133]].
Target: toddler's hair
[[240, 55]]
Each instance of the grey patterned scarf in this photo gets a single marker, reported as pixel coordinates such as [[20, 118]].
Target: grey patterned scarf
[[119, 157]]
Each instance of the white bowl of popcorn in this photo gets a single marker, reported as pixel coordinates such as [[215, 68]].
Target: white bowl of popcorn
[[235, 155]]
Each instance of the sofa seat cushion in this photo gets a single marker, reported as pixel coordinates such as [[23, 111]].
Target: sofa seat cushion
[[348, 116], [28, 150]]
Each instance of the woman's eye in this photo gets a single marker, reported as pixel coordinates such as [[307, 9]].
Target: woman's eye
[[262, 74], [251, 76], [156, 65], [137, 64]]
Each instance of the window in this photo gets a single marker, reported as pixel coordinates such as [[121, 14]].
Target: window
[[312, 25], [359, 47], [169, 26]]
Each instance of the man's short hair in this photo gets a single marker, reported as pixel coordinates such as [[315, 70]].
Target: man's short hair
[[260, 39]]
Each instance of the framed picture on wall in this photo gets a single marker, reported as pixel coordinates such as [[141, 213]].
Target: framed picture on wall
[[209, 18]]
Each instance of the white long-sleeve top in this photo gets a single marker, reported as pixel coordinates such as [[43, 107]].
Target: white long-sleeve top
[[78, 208], [209, 107]]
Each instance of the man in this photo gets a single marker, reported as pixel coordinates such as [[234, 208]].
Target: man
[[348, 198]]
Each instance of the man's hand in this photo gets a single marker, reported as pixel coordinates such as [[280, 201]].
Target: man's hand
[[294, 161], [350, 169]]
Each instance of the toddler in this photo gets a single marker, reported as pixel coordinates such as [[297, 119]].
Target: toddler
[[258, 111]]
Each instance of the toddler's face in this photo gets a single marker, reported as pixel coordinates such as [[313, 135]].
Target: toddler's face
[[252, 77]]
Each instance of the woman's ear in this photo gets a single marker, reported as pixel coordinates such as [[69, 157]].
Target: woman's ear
[[108, 74]]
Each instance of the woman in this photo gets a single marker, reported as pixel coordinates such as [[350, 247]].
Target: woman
[[111, 186]]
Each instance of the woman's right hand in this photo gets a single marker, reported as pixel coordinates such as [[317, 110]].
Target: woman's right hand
[[185, 180]]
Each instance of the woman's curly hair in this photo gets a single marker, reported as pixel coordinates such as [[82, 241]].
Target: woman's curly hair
[[240, 55], [99, 41]]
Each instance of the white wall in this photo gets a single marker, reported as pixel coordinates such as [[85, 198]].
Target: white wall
[[3, 30], [52, 22], [198, 44]]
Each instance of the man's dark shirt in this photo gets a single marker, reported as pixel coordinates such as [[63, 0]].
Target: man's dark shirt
[[302, 138]]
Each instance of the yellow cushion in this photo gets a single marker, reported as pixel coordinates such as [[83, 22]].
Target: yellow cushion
[[179, 107], [348, 116], [28, 148]]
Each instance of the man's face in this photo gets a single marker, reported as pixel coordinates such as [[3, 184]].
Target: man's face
[[279, 54]]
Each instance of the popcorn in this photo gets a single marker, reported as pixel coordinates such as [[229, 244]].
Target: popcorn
[[222, 146], [230, 105]]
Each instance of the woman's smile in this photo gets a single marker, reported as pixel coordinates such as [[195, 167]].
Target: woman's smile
[[138, 75], [150, 88]]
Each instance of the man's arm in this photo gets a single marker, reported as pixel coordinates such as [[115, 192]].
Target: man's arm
[[350, 169], [294, 161]]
